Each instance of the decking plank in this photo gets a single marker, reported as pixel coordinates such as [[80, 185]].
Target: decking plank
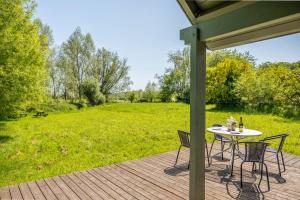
[[55, 189], [84, 187], [111, 184], [80, 193], [154, 177], [4, 193], [153, 188], [94, 187], [106, 188], [26, 193], [15, 192], [125, 179], [35, 190], [49, 195], [65, 188], [119, 183]]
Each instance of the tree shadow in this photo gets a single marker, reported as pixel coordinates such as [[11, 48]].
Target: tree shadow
[[4, 138]]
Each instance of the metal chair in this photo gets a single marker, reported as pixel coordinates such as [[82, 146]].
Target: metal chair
[[221, 139], [255, 152], [277, 150], [185, 142]]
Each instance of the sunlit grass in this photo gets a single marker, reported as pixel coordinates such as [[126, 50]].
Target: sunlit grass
[[34, 148]]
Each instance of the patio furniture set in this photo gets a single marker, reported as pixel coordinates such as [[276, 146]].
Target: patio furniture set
[[253, 151]]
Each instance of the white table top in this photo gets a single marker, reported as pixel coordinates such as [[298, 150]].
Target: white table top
[[223, 131]]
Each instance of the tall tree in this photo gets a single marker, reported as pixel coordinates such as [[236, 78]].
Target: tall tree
[[78, 52], [175, 83], [110, 71], [22, 57], [150, 92]]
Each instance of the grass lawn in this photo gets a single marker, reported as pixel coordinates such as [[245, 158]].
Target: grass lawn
[[34, 148]]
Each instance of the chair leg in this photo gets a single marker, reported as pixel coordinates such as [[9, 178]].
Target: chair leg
[[267, 172], [278, 163], [211, 147], [222, 148], [177, 156], [261, 173], [282, 161], [232, 159], [253, 167], [241, 174], [207, 154]]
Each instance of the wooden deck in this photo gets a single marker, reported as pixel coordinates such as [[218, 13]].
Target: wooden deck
[[155, 178]]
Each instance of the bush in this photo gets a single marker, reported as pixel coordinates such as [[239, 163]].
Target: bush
[[52, 106], [222, 79], [90, 89]]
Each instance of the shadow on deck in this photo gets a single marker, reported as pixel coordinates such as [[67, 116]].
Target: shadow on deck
[[155, 178]]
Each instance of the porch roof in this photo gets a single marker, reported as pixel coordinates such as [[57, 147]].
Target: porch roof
[[225, 24]]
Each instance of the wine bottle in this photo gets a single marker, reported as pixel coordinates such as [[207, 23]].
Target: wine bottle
[[241, 125]]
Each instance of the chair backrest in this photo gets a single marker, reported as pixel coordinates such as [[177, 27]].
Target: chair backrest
[[184, 138], [254, 151], [280, 137]]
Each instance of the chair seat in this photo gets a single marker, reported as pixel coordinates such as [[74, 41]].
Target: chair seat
[[224, 139], [271, 150]]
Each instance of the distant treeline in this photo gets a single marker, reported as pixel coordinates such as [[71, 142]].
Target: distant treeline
[[32, 69], [35, 74], [234, 79]]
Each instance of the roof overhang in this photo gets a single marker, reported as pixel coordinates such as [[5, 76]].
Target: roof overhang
[[225, 24]]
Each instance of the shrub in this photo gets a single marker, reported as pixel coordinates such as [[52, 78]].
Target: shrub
[[52, 106], [90, 89]]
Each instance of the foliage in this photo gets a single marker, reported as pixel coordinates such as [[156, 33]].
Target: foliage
[[176, 80], [110, 71], [51, 105], [90, 89], [150, 93], [213, 58], [76, 54], [83, 139], [222, 78], [273, 87], [22, 58]]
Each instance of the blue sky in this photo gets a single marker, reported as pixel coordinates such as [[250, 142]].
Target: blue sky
[[143, 31]]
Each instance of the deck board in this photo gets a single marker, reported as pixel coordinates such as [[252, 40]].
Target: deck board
[[156, 178]]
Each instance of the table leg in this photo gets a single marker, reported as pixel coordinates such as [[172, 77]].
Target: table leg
[[232, 158]]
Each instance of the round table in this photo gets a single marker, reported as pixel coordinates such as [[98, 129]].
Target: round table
[[235, 136]]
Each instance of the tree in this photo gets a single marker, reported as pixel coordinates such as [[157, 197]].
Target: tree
[[175, 82], [110, 71], [22, 58], [77, 54], [215, 57], [221, 81], [90, 89], [150, 92]]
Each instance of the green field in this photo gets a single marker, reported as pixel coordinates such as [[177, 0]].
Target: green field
[[34, 148]]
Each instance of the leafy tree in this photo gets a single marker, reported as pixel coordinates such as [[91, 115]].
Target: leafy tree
[[90, 89], [131, 96], [222, 79], [273, 87], [175, 82], [77, 56], [215, 57], [22, 58], [151, 92], [110, 71]]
